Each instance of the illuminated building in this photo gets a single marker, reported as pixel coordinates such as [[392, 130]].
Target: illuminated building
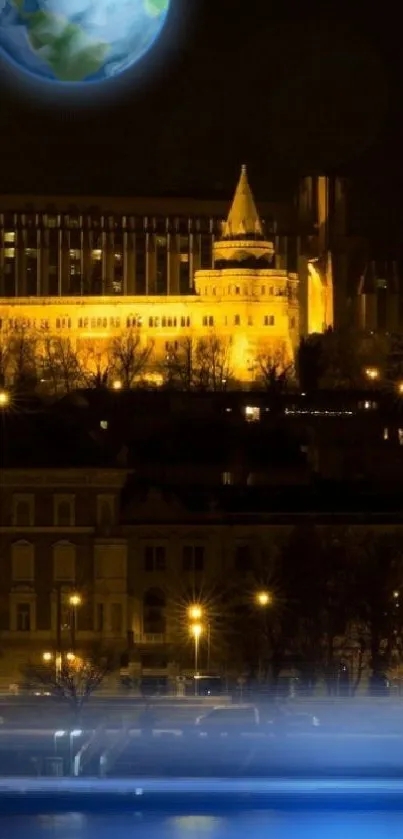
[[88, 275]]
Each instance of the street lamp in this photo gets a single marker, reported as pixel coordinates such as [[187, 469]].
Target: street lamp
[[47, 656], [4, 398], [75, 600], [196, 630], [195, 612], [263, 598]]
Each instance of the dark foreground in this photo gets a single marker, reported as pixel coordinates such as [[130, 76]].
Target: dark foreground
[[219, 825]]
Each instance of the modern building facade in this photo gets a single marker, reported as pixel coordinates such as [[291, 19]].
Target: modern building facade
[[172, 268]]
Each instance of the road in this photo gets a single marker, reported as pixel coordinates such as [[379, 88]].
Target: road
[[42, 712]]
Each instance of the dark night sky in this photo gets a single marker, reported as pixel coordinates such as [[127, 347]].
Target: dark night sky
[[288, 87]]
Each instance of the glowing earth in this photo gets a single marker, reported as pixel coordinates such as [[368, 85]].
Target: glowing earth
[[79, 40]]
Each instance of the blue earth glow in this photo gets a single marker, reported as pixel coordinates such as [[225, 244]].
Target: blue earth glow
[[79, 41]]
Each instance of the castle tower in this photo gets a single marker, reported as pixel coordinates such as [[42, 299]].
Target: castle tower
[[242, 237], [255, 303], [243, 219]]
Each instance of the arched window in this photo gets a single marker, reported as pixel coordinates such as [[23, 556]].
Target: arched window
[[22, 562], [154, 608], [64, 560]]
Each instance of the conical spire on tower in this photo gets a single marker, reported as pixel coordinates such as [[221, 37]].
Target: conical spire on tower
[[243, 219]]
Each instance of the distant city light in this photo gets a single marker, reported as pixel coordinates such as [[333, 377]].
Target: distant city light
[[372, 373]]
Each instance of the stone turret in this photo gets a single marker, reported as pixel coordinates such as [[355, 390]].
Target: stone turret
[[243, 240], [243, 219]]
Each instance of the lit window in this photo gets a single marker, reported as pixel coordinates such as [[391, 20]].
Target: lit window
[[9, 253], [9, 236], [104, 425], [227, 478], [252, 413], [386, 433]]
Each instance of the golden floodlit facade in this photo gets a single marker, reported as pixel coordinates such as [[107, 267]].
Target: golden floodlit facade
[[238, 295]]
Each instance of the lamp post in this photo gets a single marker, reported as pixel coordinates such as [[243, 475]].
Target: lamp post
[[263, 599], [196, 630], [75, 600]]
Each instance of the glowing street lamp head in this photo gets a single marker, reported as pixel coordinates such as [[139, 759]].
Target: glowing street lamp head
[[196, 630], [372, 373], [70, 657], [117, 384], [47, 656], [263, 598], [75, 600], [195, 612], [4, 398]]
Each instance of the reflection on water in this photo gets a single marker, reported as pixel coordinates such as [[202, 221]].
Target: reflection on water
[[254, 825]]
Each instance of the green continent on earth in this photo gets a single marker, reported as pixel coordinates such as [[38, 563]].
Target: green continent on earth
[[64, 46], [156, 7]]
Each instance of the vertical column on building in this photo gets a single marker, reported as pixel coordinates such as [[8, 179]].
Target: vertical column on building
[[129, 257], [151, 259], [2, 260], [86, 257], [39, 233], [64, 260], [196, 249], [173, 246], [302, 270], [44, 264], [339, 234], [277, 258], [191, 255], [21, 268], [109, 257]]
